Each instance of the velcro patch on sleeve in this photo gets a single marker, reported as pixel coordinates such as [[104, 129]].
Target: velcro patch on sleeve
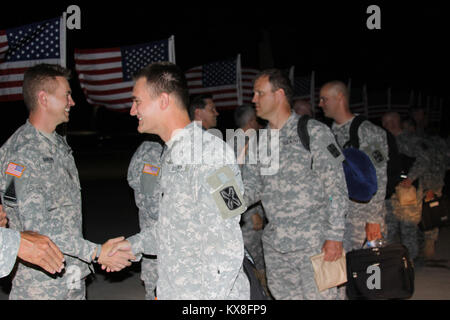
[[226, 193], [15, 170], [149, 169]]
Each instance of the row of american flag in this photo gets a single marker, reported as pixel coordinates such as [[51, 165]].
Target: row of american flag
[[105, 75]]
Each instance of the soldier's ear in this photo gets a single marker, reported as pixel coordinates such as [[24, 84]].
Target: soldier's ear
[[197, 114], [164, 100], [42, 98]]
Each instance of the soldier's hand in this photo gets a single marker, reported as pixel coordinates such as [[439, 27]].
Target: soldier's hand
[[429, 195], [3, 218], [40, 250], [116, 254], [332, 250], [373, 231], [257, 222]]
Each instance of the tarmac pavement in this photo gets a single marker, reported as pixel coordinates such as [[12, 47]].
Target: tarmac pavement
[[109, 211]]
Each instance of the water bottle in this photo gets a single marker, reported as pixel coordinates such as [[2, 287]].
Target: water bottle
[[377, 243]]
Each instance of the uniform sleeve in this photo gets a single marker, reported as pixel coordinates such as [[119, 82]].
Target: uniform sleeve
[[9, 247], [415, 149], [327, 164], [222, 247], [251, 177], [372, 139], [144, 242]]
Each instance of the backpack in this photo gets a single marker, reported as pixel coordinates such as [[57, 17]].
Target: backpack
[[398, 163], [360, 174]]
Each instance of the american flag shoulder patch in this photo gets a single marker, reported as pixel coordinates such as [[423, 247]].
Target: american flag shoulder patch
[[149, 169], [15, 170]]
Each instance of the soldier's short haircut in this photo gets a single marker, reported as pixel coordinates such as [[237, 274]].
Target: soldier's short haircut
[[243, 114], [198, 102], [279, 80], [165, 77], [338, 86], [41, 77]]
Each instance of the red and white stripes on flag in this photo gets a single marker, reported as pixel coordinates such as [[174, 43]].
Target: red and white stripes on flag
[[25, 46], [248, 77], [105, 75], [221, 79]]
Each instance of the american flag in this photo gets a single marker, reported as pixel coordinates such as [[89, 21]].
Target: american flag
[[105, 75], [15, 169], [153, 170], [26, 46], [221, 79], [248, 77]]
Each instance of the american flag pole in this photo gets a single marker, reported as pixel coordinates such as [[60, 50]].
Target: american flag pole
[[172, 49], [312, 99], [63, 33], [62, 44], [239, 80], [291, 75]]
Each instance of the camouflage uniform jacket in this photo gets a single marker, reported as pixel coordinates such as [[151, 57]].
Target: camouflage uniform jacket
[[43, 195], [304, 206], [371, 139], [200, 252], [412, 146]]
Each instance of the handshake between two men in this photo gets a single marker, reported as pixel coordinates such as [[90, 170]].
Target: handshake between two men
[[115, 254]]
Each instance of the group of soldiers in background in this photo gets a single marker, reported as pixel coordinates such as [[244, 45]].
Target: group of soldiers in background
[[297, 212]]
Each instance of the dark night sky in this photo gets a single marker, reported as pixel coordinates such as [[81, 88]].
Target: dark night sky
[[409, 52]]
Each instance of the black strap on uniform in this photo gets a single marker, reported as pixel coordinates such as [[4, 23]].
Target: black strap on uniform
[[10, 193], [303, 134], [354, 139], [303, 131]]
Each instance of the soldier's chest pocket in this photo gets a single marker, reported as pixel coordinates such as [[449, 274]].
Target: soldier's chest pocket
[[149, 183], [60, 186], [293, 153]]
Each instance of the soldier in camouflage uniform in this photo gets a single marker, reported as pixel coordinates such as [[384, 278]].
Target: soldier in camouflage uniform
[[363, 220], [252, 221], [197, 238], [145, 184], [42, 189], [305, 199], [434, 179], [402, 220]]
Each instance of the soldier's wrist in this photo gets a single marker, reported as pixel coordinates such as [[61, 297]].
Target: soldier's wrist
[[96, 254]]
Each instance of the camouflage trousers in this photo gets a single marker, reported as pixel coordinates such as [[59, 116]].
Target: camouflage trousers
[[77, 291], [402, 230], [290, 276], [253, 243], [149, 275]]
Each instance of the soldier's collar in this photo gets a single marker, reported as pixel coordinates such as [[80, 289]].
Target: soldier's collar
[[181, 133]]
